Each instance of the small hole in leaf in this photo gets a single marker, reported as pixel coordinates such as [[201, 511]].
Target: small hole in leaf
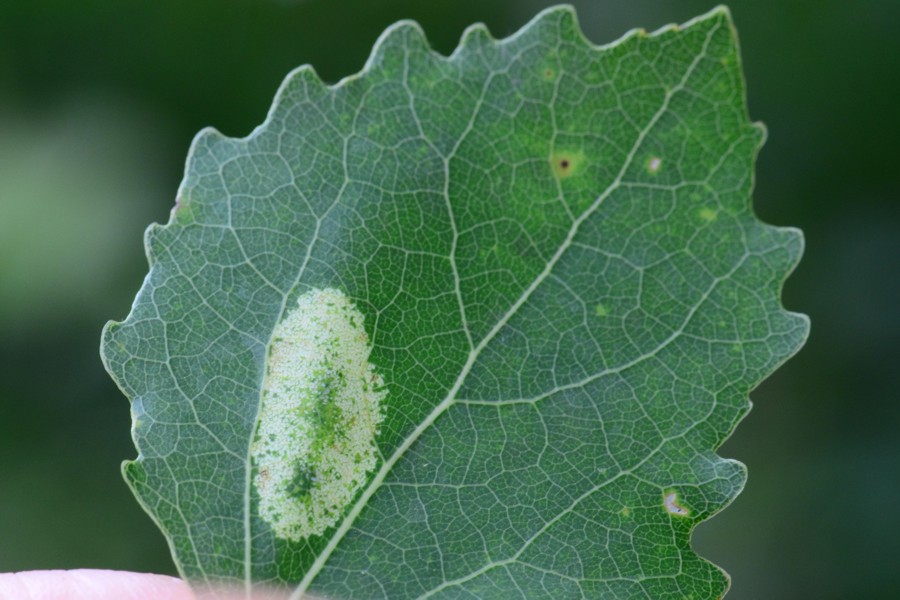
[[670, 502]]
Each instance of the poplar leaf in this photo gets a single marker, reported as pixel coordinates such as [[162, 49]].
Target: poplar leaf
[[462, 327]]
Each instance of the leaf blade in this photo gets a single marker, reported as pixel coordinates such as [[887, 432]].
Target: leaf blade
[[467, 194]]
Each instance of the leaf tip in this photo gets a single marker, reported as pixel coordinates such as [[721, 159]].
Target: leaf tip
[[720, 12], [562, 17], [761, 131], [133, 473], [474, 36], [106, 335], [403, 37]]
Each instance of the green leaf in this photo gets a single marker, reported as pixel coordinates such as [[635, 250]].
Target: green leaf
[[465, 327]]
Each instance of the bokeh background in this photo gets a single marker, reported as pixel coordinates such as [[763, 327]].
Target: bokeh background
[[99, 101]]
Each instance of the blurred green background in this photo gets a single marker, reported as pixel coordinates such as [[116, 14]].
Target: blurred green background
[[99, 101]]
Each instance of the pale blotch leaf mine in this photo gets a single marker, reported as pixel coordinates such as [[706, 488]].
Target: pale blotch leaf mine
[[321, 410]]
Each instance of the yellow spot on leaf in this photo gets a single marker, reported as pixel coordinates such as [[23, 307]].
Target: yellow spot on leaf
[[707, 214], [566, 164], [601, 311]]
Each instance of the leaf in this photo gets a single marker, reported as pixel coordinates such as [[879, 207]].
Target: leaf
[[465, 327]]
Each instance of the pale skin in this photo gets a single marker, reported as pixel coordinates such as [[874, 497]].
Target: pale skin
[[91, 584], [99, 584]]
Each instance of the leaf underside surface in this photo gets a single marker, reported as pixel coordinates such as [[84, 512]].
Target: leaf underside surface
[[564, 286]]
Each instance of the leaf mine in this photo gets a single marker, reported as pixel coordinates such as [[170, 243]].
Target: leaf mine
[[321, 408]]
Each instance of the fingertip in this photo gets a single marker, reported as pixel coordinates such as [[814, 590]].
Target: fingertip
[[91, 584]]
